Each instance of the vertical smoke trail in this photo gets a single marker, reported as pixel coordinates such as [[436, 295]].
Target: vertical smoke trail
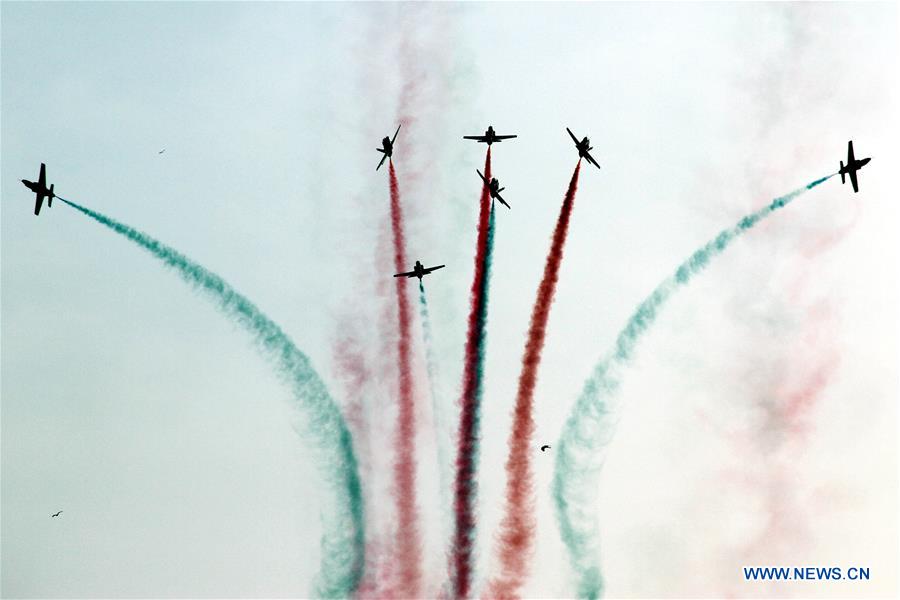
[[436, 410], [517, 527], [467, 444], [592, 421], [409, 546], [343, 543], [433, 85], [430, 360]]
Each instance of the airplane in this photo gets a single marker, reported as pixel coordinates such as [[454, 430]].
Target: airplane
[[852, 166], [387, 147], [57, 514], [40, 190], [545, 447], [419, 271], [489, 137], [494, 187], [584, 146]]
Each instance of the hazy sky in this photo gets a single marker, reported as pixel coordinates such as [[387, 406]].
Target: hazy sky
[[132, 405]]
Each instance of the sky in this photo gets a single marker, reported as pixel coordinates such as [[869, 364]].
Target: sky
[[759, 417]]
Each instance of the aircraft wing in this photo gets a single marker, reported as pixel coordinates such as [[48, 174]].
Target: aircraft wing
[[42, 179], [430, 269], [852, 173], [502, 201], [850, 157], [479, 138], [381, 162], [395, 134], [409, 274], [38, 201], [572, 135], [504, 137], [591, 160], [482, 177]]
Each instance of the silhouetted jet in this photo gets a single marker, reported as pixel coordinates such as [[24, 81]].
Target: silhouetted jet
[[57, 514], [40, 190], [584, 146], [489, 136], [494, 187], [852, 166], [161, 151], [387, 147], [419, 271], [545, 447]]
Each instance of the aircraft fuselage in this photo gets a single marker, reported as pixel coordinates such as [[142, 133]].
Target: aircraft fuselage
[[584, 147], [36, 187], [855, 165]]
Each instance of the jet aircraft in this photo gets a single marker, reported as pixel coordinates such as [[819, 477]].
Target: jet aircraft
[[852, 166], [419, 271], [489, 137], [40, 190], [387, 147], [584, 146], [494, 187]]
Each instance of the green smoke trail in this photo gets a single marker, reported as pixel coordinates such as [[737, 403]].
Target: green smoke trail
[[343, 541], [438, 414], [431, 365], [466, 484], [592, 422]]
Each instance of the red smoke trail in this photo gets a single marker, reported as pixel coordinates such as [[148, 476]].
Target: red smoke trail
[[464, 490], [409, 547], [517, 527], [352, 370]]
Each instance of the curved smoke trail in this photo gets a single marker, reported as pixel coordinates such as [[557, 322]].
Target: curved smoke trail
[[517, 527], [470, 414], [591, 423], [409, 545], [343, 543]]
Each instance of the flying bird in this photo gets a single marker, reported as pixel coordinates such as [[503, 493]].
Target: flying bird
[[544, 447], [57, 514]]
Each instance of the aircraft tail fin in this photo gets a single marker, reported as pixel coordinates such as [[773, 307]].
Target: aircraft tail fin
[[843, 173]]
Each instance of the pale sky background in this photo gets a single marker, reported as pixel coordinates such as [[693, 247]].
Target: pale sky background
[[132, 405]]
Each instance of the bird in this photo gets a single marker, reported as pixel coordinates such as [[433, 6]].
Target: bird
[[544, 447], [161, 151], [57, 514]]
